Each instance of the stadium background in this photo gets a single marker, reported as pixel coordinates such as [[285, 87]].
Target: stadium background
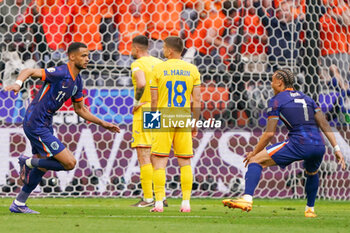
[[236, 45]]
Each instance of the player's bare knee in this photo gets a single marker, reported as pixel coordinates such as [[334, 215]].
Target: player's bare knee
[[70, 165], [144, 156], [143, 160], [255, 160]]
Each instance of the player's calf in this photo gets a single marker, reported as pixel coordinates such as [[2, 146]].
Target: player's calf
[[63, 161], [311, 187], [24, 169]]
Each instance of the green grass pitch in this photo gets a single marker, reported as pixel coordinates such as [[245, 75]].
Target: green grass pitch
[[100, 215]]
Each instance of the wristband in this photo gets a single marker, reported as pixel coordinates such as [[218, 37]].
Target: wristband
[[136, 102], [19, 82], [336, 148]]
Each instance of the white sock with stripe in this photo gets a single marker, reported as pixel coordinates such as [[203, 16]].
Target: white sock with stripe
[[29, 163]]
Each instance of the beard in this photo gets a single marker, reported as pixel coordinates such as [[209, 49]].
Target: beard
[[79, 67]]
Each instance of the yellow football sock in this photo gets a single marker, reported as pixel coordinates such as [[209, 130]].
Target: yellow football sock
[[186, 182], [146, 177], [159, 183]]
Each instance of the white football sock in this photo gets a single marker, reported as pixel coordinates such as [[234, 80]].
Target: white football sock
[[307, 207], [19, 203], [148, 200], [159, 205], [185, 203], [248, 197]]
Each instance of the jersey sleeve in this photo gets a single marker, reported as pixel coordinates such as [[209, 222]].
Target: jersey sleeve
[[314, 106], [53, 74], [135, 66], [273, 110], [78, 96], [197, 78]]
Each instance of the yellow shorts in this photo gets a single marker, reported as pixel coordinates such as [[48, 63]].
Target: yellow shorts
[[179, 137], [139, 137]]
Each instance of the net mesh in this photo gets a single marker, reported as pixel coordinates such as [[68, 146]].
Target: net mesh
[[237, 45]]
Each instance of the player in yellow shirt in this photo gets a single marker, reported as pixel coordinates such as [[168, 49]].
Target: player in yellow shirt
[[141, 75], [174, 83]]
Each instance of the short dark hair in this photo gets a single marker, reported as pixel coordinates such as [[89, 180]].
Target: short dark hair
[[286, 76], [175, 43], [75, 46], [141, 40]]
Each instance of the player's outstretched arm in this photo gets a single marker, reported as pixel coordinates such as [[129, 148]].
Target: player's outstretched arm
[[82, 111], [23, 76], [326, 129], [264, 140], [196, 107]]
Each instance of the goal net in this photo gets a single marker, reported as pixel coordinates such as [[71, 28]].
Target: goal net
[[237, 45]]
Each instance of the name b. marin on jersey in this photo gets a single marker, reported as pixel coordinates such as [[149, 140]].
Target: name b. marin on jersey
[[177, 73]]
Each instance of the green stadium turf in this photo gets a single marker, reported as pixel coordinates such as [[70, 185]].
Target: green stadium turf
[[99, 215]]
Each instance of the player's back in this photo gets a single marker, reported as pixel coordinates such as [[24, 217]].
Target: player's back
[[145, 64], [175, 80], [297, 112]]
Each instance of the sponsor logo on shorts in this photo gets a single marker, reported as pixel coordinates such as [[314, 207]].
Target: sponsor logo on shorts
[[54, 145]]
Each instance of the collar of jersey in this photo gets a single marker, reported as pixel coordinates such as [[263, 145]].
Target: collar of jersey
[[70, 72]]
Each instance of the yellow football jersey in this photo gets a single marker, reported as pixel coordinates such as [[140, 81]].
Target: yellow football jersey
[[145, 64], [174, 79]]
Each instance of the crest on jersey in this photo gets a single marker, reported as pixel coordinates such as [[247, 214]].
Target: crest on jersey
[[54, 145], [74, 90], [50, 70]]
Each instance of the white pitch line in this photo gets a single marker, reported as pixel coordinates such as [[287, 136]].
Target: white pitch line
[[68, 205], [133, 216]]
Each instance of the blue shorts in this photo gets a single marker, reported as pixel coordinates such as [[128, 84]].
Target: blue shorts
[[284, 153], [43, 142]]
